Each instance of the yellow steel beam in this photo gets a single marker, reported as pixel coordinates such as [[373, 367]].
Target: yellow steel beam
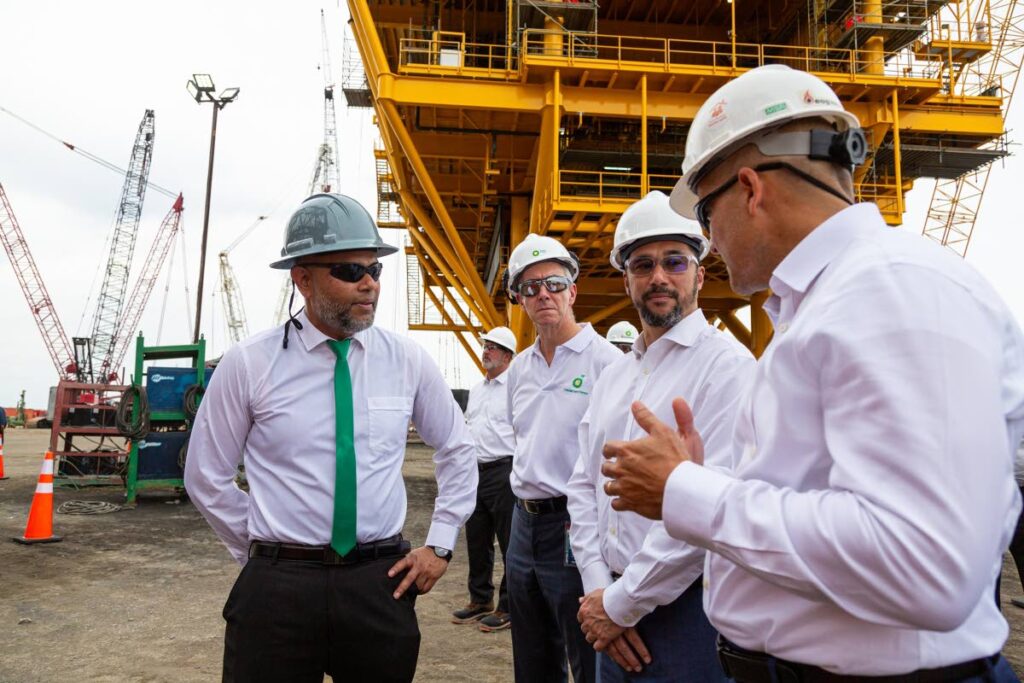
[[462, 263], [470, 351], [428, 247], [760, 324], [733, 324], [519, 227], [614, 308], [428, 272], [983, 121]]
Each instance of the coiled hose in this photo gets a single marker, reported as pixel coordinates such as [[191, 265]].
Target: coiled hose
[[193, 395], [128, 427]]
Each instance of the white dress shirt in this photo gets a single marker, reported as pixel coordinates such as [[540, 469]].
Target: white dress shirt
[[546, 404], [276, 406], [487, 416], [711, 370], [864, 527]]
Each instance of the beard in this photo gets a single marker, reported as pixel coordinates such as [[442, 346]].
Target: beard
[[339, 316], [489, 364], [669, 319]]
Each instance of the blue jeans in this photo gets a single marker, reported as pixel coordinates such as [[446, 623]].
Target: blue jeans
[[681, 641], [1000, 673], [543, 601]]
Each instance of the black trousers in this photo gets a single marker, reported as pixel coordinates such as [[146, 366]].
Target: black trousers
[[492, 517], [295, 621], [1017, 544]]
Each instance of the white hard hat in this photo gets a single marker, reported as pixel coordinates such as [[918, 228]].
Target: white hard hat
[[762, 98], [622, 332], [502, 336], [652, 219], [537, 249]]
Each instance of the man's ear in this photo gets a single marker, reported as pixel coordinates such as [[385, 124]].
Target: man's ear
[[302, 277]]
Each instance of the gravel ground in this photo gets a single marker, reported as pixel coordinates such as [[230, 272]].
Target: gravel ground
[[136, 595]]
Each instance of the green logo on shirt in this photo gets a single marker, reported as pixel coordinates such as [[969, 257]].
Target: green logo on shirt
[[577, 383]]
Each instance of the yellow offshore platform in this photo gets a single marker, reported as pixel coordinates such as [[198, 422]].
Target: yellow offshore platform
[[502, 118]]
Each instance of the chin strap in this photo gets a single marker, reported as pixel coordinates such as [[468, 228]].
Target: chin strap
[[292, 320]]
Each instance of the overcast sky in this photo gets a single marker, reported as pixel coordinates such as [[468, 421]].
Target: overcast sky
[[87, 72]]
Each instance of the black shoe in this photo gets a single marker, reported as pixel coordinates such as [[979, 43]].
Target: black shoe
[[472, 612], [495, 621]]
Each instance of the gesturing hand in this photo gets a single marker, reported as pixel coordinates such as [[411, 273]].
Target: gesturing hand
[[639, 469]]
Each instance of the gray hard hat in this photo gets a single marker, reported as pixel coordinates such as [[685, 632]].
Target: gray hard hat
[[326, 223]]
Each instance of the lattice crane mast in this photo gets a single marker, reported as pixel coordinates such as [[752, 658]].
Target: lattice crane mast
[[231, 294], [325, 168], [151, 268], [39, 301], [955, 202], [122, 246]]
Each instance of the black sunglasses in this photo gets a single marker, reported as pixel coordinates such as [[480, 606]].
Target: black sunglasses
[[702, 209], [552, 283], [349, 272], [673, 263]]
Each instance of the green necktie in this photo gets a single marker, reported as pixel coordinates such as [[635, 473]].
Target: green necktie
[[343, 533]]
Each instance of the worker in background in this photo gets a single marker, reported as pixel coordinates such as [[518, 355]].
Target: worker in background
[[549, 386], [863, 529], [1017, 542], [328, 583], [622, 334], [644, 600], [487, 415]]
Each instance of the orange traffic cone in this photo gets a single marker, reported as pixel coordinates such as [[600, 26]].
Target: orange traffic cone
[[40, 516], [2, 475]]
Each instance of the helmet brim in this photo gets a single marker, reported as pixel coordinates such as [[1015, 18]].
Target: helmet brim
[[291, 261], [683, 199]]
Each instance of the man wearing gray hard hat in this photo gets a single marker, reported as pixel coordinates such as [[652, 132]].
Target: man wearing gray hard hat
[[328, 584]]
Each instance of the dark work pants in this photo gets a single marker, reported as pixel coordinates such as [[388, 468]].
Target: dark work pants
[[544, 599], [294, 621], [492, 517], [681, 641], [1017, 544]]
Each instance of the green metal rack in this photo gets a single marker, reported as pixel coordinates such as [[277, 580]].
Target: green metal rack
[[197, 354]]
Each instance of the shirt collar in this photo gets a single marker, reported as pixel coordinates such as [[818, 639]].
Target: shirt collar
[[500, 379], [685, 333], [820, 247], [579, 341], [312, 337]]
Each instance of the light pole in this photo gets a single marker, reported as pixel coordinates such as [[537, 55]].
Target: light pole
[[200, 87]]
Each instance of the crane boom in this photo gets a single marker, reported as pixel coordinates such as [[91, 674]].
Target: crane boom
[[325, 174], [122, 246], [238, 326], [955, 202], [32, 286], [151, 268]]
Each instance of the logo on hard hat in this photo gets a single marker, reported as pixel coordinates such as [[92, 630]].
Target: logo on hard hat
[[775, 108], [811, 99], [629, 333], [717, 113], [536, 252]]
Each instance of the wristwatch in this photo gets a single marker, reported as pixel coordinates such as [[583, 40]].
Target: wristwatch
[[443, 553]]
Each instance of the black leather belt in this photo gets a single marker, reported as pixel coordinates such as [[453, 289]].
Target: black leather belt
[[746, 666], [395, 546], [494, 463], [539, 507]]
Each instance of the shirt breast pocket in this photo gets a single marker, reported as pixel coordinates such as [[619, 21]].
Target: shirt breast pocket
[[389, 423]]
